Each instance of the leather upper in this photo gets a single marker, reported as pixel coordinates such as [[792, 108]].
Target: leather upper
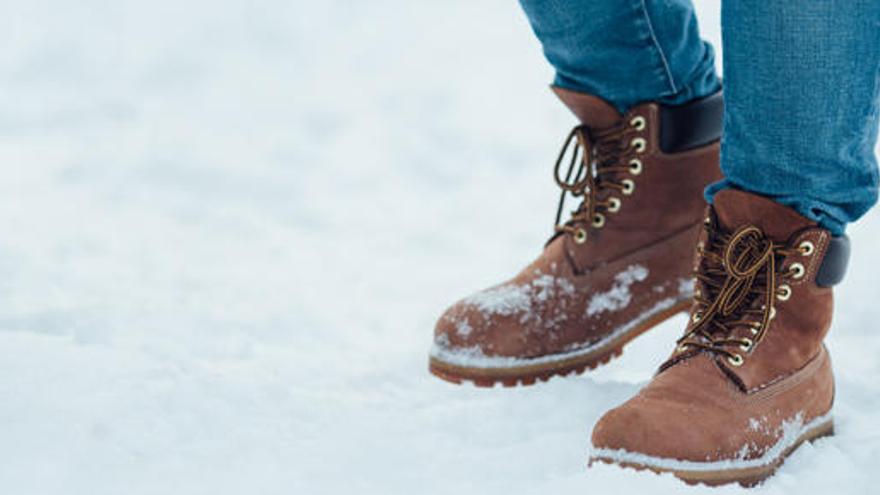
[[576, 293], [703, 408]]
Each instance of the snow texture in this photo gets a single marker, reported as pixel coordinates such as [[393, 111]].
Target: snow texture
[[619, 296], [463, 328], [538, 303], [228, 229], [512, 298]]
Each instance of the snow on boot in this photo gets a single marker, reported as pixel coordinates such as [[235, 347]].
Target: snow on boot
[[750, 380], [614, 268]]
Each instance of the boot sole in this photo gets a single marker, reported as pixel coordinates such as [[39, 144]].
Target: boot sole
[[745, 476], [529, 374]]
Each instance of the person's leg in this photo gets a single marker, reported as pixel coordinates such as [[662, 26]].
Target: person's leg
[[802, 80], [625, 52]]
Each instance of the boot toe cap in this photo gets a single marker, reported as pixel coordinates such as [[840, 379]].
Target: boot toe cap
[[456, 327], [656, 429], [623, 428], [532, 315], [467, 328], [464, 327]]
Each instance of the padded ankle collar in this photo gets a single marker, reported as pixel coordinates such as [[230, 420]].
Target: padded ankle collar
[[833, 266], [691, 125]]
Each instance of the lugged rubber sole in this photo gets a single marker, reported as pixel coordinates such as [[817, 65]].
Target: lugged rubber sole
[[745, 476], [529, 374]]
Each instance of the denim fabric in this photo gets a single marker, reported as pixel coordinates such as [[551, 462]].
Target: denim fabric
[[801, 87], [802, 83], [626, 51]]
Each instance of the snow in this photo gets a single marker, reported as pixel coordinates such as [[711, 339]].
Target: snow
[[229, 227], [529, 300], [463, 328], [618, 296], [506, 299]]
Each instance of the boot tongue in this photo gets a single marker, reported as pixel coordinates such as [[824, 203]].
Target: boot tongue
[[591, 110], [735, 209]]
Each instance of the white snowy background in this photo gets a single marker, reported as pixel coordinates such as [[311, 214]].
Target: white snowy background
[[227, 228]]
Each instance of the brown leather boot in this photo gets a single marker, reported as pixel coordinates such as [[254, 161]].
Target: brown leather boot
[[614, 269], [750, 379]]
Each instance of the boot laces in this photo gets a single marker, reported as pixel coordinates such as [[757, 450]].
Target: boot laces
[[597, 159], [737, 287]]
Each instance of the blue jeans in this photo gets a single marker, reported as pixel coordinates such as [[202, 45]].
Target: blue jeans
[[801, 87]]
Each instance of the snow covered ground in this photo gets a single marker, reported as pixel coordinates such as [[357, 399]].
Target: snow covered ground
[[228, 227]]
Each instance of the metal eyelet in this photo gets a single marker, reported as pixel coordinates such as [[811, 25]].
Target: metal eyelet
[[755, 330], [772, 313], [639, 144], [681, 347], [707, 221], [807, 248], [580, 236], [628, 186], [783, 293], [613, 204], [746, 345], [598, 220], [696, 317], [635, 166], [797, 270], [638, 123], [735, 360]]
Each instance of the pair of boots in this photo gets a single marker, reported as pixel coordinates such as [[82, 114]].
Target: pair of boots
[[748, 381]]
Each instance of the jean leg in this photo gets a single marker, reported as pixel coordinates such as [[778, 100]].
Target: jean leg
[[625, 51], [801, 87]]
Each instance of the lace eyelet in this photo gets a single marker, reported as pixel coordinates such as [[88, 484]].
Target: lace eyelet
[[598, 220], [807, 248], [681, 347], [635, 166], [772, 313], [628, 186], [696, 317], [746, 345], [638, 123], [639, 144], [614, 204], [735, 360], [797, 270], [783, 293], [580, 236]]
